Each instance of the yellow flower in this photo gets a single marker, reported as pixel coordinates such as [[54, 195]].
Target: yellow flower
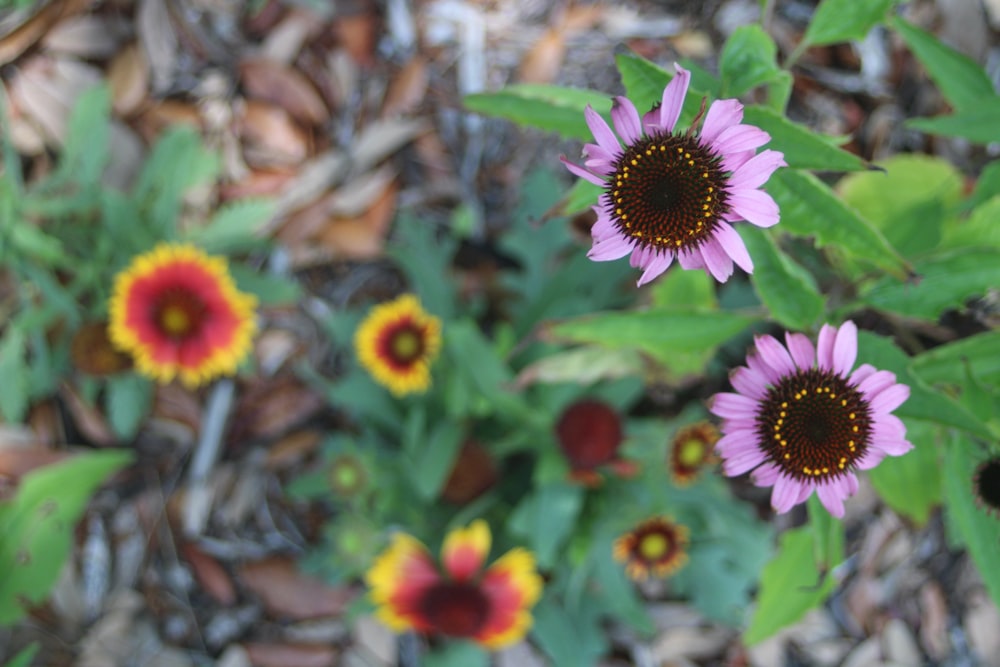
[[397, 342], [177, 311]]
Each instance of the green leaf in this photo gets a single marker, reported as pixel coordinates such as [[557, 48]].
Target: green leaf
[[748, 60], [234, 226], [828, 533], [924, 402], [809, 208], [580, 198], [545, 518], [425, 257], [644, 83], [973, 526], [979, 230], [271, 289], [790, 584], [987, 185], [980, 124], [38, 525], [547, 107], [682, 339], [14, 371], [911, 484], [457, 653], [571, 638], [945, 280], [962, 81], [908, 201], [944, 363], [803, 148], [845, 20], [434, 458], [787, 289], [584, 365], [127, 400], [24, 658], [690, 289], [85, 153]]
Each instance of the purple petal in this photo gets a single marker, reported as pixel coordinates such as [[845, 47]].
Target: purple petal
[[863, 371], [775, 355], [641, 256], [719, 264], [604, 228], [673, 98], [754, 206], [755, 364], [651, 121], [732, 406], [742, 462], [612, 248], [739, 138], [824, 347], [876, 383], [802, 350], [765, 475], [626, 120], [845, 348], [721, 115], [691, 259], [733, 161], [892, 447], [582, 173], [755, 171], [832, 498], [657, 265], [601, 131], [747, 427], [785, 494], [749, 383], [890, 399], [871, 459], [733, 245]]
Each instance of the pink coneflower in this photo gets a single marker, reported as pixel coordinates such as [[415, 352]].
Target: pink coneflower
[[802, 421], [670, 194]]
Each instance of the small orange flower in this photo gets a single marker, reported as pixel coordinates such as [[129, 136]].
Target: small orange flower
[[490, 607], [590, 434], [397, 342], [177, 311], [655, 547], [691, 452]]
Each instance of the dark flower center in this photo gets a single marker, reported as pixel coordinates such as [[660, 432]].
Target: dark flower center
[[179, 313], [667, 192], [813, 425], [455, 609], [589, 434], [987, 483], [403, 344]]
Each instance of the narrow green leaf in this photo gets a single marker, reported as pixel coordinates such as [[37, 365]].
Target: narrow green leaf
[[828, 536], [24, 658], [974, 527], [38, 523], [457, 654], [803, 148], [233, 226], [962, 81], [545, 518], [911, 484], [790, 584], [435, 457], [748, 60], [944, 363], [987, 185], [810, 208], [980, 124], [85, 153], [945, 280], [571, 638], [425, 257], [547, 107], [644, 83], [787, 289], [270, 288], [14, 371], [127, 401], [845, 20], [924, 402]]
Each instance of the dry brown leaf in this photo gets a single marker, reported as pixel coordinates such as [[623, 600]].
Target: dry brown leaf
[[542, 62], [284, 86], [362, 237], [212, 577], [272, 406], [88, 419], [128, 78], [292, 449], [314, 178], [258, 183], [88, 36], [357, 34], [383, 138], [357, 196], [288, 593], [158, 37], [285, 40], [46, 89], [176, 410], [24, 36], [45, 424], [15, 462], [407, 89], [291, 655], [579, 18], [271, 137], [934, 615]]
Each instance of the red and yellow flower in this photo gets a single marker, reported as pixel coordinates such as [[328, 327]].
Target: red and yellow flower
[[691, 452], [590, 434], [460, 599], [656, 547], [177, 311], [397, 342]]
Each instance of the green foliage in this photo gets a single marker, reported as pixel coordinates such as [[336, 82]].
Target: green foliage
[[24, 658], [911, 484], [570, 637], [978, 125], [979, 353], [457, 654], [844, 20], [545, 519], [38, 524], [546, 107], [644, 83], [127, 399], [748, 60], [787, 289]]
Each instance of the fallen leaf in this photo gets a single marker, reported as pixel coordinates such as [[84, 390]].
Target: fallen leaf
[[271, 137], [542, 62], [89, 36], [159, 39], [263, 182], [17, 461], [25, 35], [157, 117], [284, 40], [292, 449], [288, 593], [128, 78], [291, 655], [285, 87], [357, 34], [383, 138], [87, 418], [272, 406], [47, 88], [407, 89], [212, 577], [362, 236]]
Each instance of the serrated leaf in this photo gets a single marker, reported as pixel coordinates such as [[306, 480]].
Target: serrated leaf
[[38, 523], [233, 225], [962, 81], [908, 201], [547, 107], [803, 148], [748, 60], [911, 484], [944, 363], [980, 124], [845, 20], [644, 83], [682, 339], [790, 584], [127, 401], [974, 527], [787, 289], [945, 280], [810, 208], [925, 402]]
